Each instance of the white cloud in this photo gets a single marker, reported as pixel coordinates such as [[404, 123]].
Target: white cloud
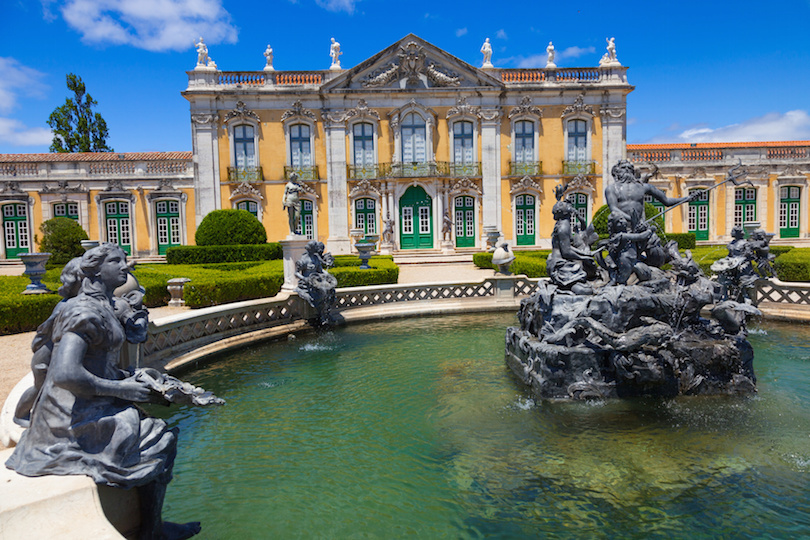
[[17, 79], [533, 61], [338, 5], [154, 25], [460, 32], [16, 133], [789, 126], [574, 52], [501, 34]]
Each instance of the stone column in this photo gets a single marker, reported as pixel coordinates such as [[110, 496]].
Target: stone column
[[337, 194], [205, 147], [614, 138], [491, 168]]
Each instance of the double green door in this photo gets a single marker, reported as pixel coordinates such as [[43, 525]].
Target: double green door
[[465, 221], [415, 219], [15, 230], [168, 225], [698, 217], [524, 220]]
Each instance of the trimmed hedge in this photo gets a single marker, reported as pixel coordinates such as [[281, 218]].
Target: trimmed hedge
[[230, 227], [62, 238], [223, 254], [793, 265], [23, 313], [684, 240], [529, 263], [348, 273]]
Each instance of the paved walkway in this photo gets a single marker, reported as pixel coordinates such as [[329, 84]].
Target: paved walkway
[[15, 350]]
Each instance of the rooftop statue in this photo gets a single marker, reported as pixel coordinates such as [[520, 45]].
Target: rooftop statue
[[628, 327], [486, 49], [609, 58], [334, 54], [551, 54], [315, 285], [83, 419], [268, 54], [202, 53]]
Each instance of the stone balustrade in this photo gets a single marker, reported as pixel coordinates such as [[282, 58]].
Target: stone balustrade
[[748, 153], [76, 169]]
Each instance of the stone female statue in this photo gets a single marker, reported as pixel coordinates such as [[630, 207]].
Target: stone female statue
[[84, 420], [292, 202]]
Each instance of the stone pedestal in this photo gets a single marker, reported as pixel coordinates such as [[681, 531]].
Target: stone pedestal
[[175, 287], [448, 247], [386, 248], [293, 247]]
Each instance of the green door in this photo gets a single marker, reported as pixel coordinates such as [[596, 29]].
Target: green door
[[465, 221], [415, 219], [118, 225], [306, 227], [365, 215], [15, 229], [524, 220], [789, 198], [698, 218], [168, 225]]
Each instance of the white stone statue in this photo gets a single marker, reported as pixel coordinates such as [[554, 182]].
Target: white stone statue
[[202, 53], [334, 53], [609, 58], [486, 49], [268, 53], [551, 54]]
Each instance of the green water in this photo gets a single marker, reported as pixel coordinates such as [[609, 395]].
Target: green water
[[415, 428]]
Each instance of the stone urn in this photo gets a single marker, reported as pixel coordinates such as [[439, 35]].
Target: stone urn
[[503, 258], [89, 244], [35, 269], [492, 233], [365, 249]]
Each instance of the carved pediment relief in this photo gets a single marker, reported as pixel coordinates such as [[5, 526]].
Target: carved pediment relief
[[298, 111], [579, 107], [526, 109], [582, 184], [364, 187], [791, 171], [63, 187], [244, 189], [241, 112], [412, 63], [463, 108], [465, 185], [525, 184]]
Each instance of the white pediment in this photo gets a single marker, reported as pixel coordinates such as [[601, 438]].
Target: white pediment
[[413, 63]]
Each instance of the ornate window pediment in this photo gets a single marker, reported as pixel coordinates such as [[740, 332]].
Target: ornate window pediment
[[412, 67], [246, 190], [578, 108], [525, 184], [63, 188], [241, 112], [463, 108], [526, 109], [582, 184], [465, 185], [298, 112], [364, 188], [427, 113]]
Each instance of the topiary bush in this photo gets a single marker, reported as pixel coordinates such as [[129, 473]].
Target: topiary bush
[[600, 219], [229, 227], [62, 238], [793, 265], [223, 254]]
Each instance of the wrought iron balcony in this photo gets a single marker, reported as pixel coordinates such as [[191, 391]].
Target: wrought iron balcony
[[368, 172], [245, 174], [579, 167], [304, 173], [415, 169], [465, 169], [525, 168]]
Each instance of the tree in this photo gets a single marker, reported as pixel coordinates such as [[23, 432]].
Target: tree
[[76, 128], [62, 238]]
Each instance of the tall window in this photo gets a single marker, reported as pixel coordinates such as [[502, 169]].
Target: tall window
[[363, 144], [524, 220], [168, 224], [698, 217], [577, 140], [580, 203], [414, 139], [250, 206], [118, 225], [307, 225], [463, 142], [300, 150], [745, 205], [15, 229], [524, 141], [243, 144], [365, 215], [789, 198]]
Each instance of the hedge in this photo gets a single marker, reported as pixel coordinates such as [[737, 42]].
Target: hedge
[[348, 273], [222, 254], [529, 263], [230, 227], [23, 313], [793, 265]]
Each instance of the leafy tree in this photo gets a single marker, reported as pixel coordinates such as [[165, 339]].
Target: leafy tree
[[229, 227], [62, 238], [76, 128]]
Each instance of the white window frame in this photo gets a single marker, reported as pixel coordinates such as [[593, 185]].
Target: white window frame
[[288, 124], [230, 125], [374, 133], [589, 130], [452, 137], [536, 138]]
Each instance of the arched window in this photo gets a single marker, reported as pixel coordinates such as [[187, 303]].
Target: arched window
[[577, 140], [524, 141], [250, 206], [414, 137], [463, 142], [363, 144], [300, 147]]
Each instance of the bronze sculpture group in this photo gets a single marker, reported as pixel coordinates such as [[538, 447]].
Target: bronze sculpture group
[[613, 320]]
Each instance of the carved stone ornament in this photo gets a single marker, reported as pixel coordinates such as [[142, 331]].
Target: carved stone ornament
[[463, 108], [428, 114], [581, 183], [11, 186], [491, 115], [526, 109], [612, 112], [63, 188], [362, 111], [203, 118], [329, 117], [413, 66], [114, 184], [364, 187], [699, 173], [578, 107], [298, 111], [244, 189], [309, 190], [465, 184], [242, 112], [525, 184], [791, 171]]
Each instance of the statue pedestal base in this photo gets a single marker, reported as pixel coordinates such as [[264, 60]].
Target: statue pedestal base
[[448, 247], [386, 248], [293, 247]]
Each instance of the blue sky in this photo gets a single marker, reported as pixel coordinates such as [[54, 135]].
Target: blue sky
[[704, 71]]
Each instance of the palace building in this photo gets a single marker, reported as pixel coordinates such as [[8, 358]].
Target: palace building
[[440, 150]]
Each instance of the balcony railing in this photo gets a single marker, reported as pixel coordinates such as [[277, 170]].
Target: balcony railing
[[579, 167], [245, 174], [525, 168], [414, 169], [304, 173], [465, 169], [360, 172]]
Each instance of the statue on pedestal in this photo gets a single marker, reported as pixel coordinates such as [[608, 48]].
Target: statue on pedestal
[[486, 49], [202, 53], [268, 54], [292, 203], [447, 227], [334, 54], [388, 230], [609, 58], [551, 54], [84, 420]]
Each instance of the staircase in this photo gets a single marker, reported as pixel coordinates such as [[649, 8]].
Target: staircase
[[432, 256]]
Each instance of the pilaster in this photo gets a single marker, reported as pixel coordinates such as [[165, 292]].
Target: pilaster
[[614, 138], [206, 164], [491, 167], [337, 199]]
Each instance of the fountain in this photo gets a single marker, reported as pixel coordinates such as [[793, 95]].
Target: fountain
[[611, 323], [316, 286]]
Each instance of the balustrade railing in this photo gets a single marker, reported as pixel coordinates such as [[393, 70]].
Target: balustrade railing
[[523, 76], [111, 168], [245, 174], [304, 173], [525, 168], [360, 172], [577, 74], [18, 169], [465, 169], [651, 155], [291, 78], [167, 167], [579, 167], [701, 154], [788, 153], [415, 169], [241, 78]]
